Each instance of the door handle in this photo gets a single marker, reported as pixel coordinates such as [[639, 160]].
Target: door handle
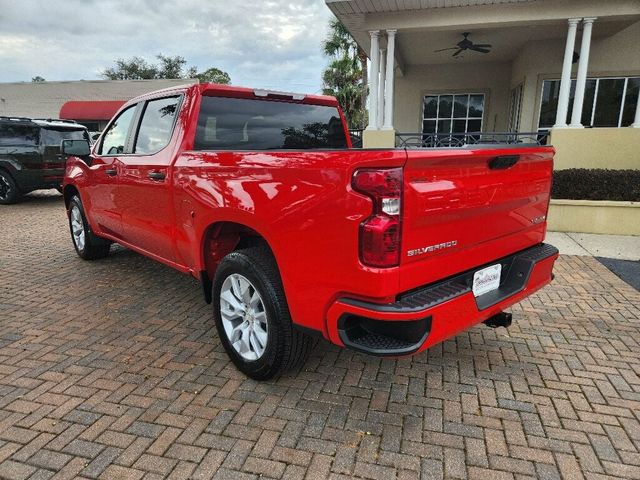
[[157, 176], [112, 172]]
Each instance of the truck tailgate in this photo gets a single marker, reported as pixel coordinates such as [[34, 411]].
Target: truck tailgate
[[467, 207]]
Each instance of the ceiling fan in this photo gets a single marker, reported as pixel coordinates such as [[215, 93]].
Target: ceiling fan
[[467, 44]]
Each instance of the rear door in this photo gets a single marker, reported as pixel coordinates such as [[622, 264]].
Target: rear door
[[104, 206], [20, 154], [145, 187]]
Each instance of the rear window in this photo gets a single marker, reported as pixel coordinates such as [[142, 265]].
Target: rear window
[[247, 124], [52, 137], [18, 135]]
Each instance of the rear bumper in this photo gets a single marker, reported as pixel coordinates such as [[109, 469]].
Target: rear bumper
[[432, 313]]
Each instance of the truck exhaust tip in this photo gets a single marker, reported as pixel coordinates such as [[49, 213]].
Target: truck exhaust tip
[[501, 319]]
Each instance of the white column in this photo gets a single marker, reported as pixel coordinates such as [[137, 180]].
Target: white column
[[390, 74], [565, 83], [583, 67], [383, 70], [636, 122], [374, 72]]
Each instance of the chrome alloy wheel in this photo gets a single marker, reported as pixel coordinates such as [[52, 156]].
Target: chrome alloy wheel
[[77, 227], [5, 188], [243, 317]]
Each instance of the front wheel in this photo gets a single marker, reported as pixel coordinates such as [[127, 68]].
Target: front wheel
[[9, 192], [87, 244], [252, 316]]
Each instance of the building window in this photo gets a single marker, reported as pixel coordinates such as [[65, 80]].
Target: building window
[[460, 113], [608, 102]]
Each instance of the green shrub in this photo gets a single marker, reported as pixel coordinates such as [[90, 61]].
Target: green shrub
[[596, 184]]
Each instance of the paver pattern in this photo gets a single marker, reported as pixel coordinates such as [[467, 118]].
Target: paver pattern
[[113, 370]]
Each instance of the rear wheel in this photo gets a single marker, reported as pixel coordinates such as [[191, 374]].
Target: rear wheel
[[252, 316], [88, 245], [9, 192]]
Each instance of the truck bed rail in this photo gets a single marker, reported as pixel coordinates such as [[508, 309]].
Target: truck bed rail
[[448, 140]]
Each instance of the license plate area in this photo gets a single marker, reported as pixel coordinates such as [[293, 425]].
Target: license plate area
[[487, 279]]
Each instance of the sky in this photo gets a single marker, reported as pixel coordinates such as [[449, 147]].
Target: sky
[[272, 44]]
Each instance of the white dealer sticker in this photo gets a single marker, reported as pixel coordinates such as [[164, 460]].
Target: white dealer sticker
[[486, 279]]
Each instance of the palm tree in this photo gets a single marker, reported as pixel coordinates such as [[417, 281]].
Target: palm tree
[[346, 76]]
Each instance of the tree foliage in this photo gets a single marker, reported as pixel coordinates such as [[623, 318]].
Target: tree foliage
[[137, 68], [211, 75], [346, 75]]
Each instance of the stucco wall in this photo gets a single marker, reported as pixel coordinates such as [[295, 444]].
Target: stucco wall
[[492, 79], [45, 99], [614, 148]]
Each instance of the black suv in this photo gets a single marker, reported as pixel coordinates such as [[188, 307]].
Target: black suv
[[30, 154]]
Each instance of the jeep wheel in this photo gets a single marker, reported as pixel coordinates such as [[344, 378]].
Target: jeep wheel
[[252, 316], [9, 192], [88, 245]]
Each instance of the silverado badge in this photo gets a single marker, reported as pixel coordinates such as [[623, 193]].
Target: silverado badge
[[432, 248]]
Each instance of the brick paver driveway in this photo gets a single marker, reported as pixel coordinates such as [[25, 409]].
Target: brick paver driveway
[[112, 369]]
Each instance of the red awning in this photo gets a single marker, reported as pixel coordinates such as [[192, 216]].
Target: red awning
[[90, 110]]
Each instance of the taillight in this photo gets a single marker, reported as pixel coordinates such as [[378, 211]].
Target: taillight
[[380, 234]]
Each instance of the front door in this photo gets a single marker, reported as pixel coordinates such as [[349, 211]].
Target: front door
[[102, 190], [145, 183]]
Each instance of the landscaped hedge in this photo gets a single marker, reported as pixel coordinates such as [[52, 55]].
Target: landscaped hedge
[[596, 184]]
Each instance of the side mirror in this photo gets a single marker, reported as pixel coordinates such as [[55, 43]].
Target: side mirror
[[77, 148]]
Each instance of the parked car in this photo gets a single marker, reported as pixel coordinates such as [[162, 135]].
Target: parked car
[[293, 233], [30, 156]]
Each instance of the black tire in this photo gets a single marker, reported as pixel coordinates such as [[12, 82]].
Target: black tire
[[286, 347], [93, 246], [9, 192]]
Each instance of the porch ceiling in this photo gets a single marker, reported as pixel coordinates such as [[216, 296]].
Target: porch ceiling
[[417, 47], [368, 6], [427, 25]]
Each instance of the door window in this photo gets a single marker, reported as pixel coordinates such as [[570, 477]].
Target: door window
[[156, 125], [18, 135], [52, 137], [115, 138]]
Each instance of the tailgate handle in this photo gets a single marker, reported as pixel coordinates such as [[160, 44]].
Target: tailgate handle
[[503, 162]]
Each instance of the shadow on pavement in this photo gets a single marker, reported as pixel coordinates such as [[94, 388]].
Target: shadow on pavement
[[627, 270]]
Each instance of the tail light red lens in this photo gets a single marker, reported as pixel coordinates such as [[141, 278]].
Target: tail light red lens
[[380, 234]]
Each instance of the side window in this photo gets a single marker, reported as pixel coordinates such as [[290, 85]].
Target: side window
[[18, 135], [114, 139], [156, 125]]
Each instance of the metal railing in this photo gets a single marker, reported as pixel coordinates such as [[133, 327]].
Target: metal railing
[[356, 137], [443, 140]]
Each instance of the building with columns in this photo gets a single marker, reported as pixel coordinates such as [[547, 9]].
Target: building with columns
[[446, 68]]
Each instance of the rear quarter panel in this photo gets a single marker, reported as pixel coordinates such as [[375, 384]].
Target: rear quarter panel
[[301, 202]]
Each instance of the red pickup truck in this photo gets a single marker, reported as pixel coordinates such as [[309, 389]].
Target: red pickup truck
[[293, 233]]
